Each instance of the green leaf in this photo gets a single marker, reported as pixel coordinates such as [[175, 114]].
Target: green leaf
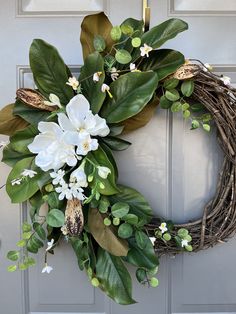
[[36, 242], [115, 143], [164, 62], [125, 231], [145, 257], [141, 238], [106, 236], [30, 261], [29, 186], [13, 255], [39, 230], [55, 218], [187, 88], [186, 114], [185, 106], [11, 157], [30, 114], [81, 251], [127, 29], [11, 268], [206, 127], [91, 90], [99, 43], [165, 103], [120, 209], [159, 34], [21, 243], [22, 138], [172, 95], [26, 235], [123, 56], [109, 154], [54, 202], [49, 71], [32, 247], [171, 83], [136, 25], [103, 204], [23, 266], [137, 203], [136, 42], [141, 275], [100, 158], [92, 25], [131, 219], [176, 106], [9, 123], [114, 278], [197, 107], [195, 124], [116, 33], [131, 92], [26, 227]]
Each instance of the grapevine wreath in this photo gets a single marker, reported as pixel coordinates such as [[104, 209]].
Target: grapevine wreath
[[62, 136]]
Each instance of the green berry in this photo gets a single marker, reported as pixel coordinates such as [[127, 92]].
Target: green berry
[[136, 42], [189, 248], [154, 282], [166, 236], [95, 282], [107, 222], [116, 221], [49, 188]]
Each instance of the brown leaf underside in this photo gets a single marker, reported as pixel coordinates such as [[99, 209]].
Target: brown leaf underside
[[9, 123]]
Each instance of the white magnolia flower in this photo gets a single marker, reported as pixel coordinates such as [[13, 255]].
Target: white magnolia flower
[[184, 243], [79, 176], [28, 173], [132, 67], [54, 101], [103, 172], [145, 50], [64, 191], [57, 176], [51, 148], [50, 245], [114, 74], [207, 67], [105, 88], [152, 239], [47, 269], [3, 144], [96, 76], [86, 144], [16, 182], [163, 227], [73, 82], [226, 80], [80, 121]]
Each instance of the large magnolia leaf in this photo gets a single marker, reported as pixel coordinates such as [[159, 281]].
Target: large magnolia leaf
[[114, 278], [144, 257], [142, 118], [92, 25], [164, 62], [131, 92], [49, 71], [11, 156], [138, 204], [29, 186], [21, 139], [91, 90], [9, 123], [106, 236], [159, 34], [31, 115]]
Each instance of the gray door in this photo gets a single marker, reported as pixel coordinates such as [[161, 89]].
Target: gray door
[[175, 168]]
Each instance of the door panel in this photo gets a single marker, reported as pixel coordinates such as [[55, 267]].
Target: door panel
[[175, 168]]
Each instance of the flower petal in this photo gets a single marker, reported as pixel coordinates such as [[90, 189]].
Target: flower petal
[[77, 109]]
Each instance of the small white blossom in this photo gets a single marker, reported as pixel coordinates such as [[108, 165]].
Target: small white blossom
[[163, 227], [50, 245], [16, 182], [64, 230], [226, 80], [3, 144], [103, 172], [184, 243], [79, 176], [47, 269], [207, 67], [152, 239], [86, 145], [73, 82], [132, 67], [145, 50], [57, 176], [114, 74], [106, 88], [29, 173], [64, 192], [77, 191], [96, 76]]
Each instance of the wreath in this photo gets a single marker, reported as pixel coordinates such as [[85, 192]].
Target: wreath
[[62, 138]]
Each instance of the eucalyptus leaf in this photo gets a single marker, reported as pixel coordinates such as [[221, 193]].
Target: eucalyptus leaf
[[99, 43], [125, 231], [13, 255], [141, 238], [114, 278], [120, 209], [55, 218], [172, 95], [187, 88], [116, 33], [165, 103], [123, 56], [106, 236], [131, 92], [176, 106], [49, 71]]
